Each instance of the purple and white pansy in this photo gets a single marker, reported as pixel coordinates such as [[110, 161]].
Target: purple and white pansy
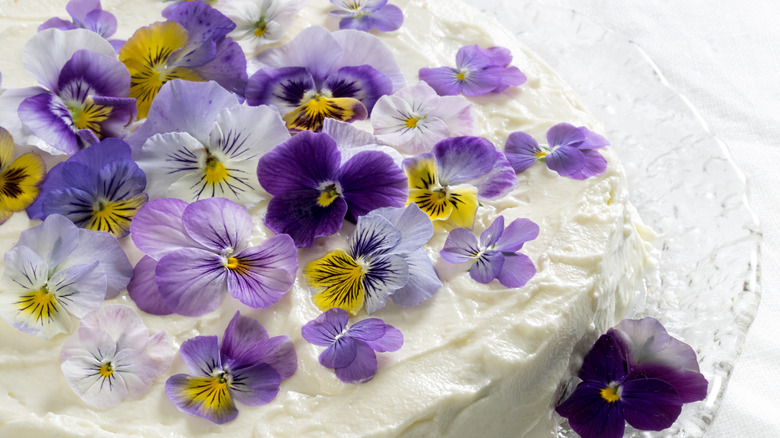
[[367, 14], [197, 253], [260, 22], [87, 14], [351, 350], [112, 357]]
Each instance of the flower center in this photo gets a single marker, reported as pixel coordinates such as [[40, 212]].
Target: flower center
[[41, 305], [612, 392], [87, 115], [411, 122], [461, 76], [261, 27], [215, 172], [106, 370], [329, 191]]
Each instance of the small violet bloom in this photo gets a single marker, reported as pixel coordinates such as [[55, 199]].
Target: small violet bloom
[[365, 14], [385, 259], [87, 14], [570, 151], [321, 74], [19, 178], [57, 271], [351, 349], [495, 255], [478, 71], [413, 119], [260, 22], [99, 188], [447, 182], [615, 389], [247, 367], [197, 253], [313, 191], [112, 358]]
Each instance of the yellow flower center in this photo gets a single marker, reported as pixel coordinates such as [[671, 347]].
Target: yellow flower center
[[215, 172], [611, 393], [411, 122], [88, 115], [261, 27], [41, 305], [461, 76], [106, 371]]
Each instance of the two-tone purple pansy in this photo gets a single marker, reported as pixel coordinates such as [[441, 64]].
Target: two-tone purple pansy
[[352, 349], [86, 14], [495, 255], [366, 14], [571, 151], [477, 72], [313, 191], [197, 253], [247, 367], [321, 74]]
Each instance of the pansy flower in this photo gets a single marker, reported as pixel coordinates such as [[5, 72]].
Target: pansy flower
[[99, 188], [495, 255], [112, 358], [19, 178], [192, 45], [197, 253], [571, 151], [351, 350], [366, 14], [313, 191], [199, 142], [261, 22], [57, 272], [447, 182], [385, 260], [247, 367], [321, 74], [86, 14], [413, 119], [477, 72]]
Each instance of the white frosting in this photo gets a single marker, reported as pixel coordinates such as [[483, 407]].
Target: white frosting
[[478, 360]]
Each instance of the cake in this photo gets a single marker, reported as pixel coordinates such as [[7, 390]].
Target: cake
[[477, 360]]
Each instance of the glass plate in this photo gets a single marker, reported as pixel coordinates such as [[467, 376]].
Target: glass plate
[[706, 288]]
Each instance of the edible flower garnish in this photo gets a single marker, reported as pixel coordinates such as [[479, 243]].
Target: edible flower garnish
[[495, 255], [365, 14], [447, 182], [635, 373], [112, 358], [570, 151], [87, 14], [57, 271], [19, 178], [313, 191], [99, 188], [385, 260], [478, 71], [351, 349], [352, 140], [415, 118], [196, 253], [199, 142], [321, 74], [247, 367], [192, 45], [261, 22]]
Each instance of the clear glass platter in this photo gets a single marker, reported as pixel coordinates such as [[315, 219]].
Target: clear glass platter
[[706, 288]]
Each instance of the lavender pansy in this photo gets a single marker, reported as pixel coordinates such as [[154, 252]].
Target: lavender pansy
[[413, 119], [197, 253], [495, 255], [351, 141], [366, 14], [248, 367], [313, 191], [87, 14], [571, 151], [112, 357], [57, 272], [260, 22], [99, 188], [447, 182], [351, 350], [477, 72], [385, 260]]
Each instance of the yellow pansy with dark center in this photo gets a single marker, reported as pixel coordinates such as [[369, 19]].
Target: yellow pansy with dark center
[[337, 279], [440, 202], [87, 115], [313, 110], [19, 179], [611, 393], [40, 305], [210, 392]]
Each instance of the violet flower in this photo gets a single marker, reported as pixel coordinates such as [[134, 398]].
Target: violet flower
[[365, 14], [570, 151], [495, 255], [260, 22], [313, 191], [87, 14], [197, 253], [478, 71], [247, 367], [351, 349]]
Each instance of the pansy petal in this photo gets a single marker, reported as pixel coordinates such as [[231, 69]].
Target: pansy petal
[[492, 234], [649, 342], [121, 323], [361, 23], [499, 181], [57, 23], [564, 134], [362, 369], [336, 280], [516, 271], [260, 275], [21, 180], [592, 140], [369, 329], [324, 329], [460, 247], [595, 164], [157, 228], [48, 118], [590, 415], [93, 73], [510, 77], [650, 404], [218, 224], [605, 362], [160, 350], [388, 18], [371, 180], [566, 161], [442, 79], [303, 162], [339, 354], [228, 68], [487, 266], [413, 224], [362, 48], [203, 24], [481, 82], [423, 280], [522, 151], [256, 385], [97, 245], [691, 386], [240, 341], [168, 157], [299, 214], [25, 270], [54, 240], [201, 355], [314, 48], [205, 397], [284, 87], [137, 370], [81, 373], [383, 276], [245, 133], [313, 112], [516, 234], [462, 159], [373, 235], [143, 288], [191, 281], [79, 289], [390, 338], [78, 9], [463, 199], [363, 83], [101, 22], [279, 353]]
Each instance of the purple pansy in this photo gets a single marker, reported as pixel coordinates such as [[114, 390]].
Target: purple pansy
[[99, 188], [87, 14], [248, 367], [313, 191], [478, 71], [196, 253], [571, 151], [351, 349], [495, 255], [365, 14]]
